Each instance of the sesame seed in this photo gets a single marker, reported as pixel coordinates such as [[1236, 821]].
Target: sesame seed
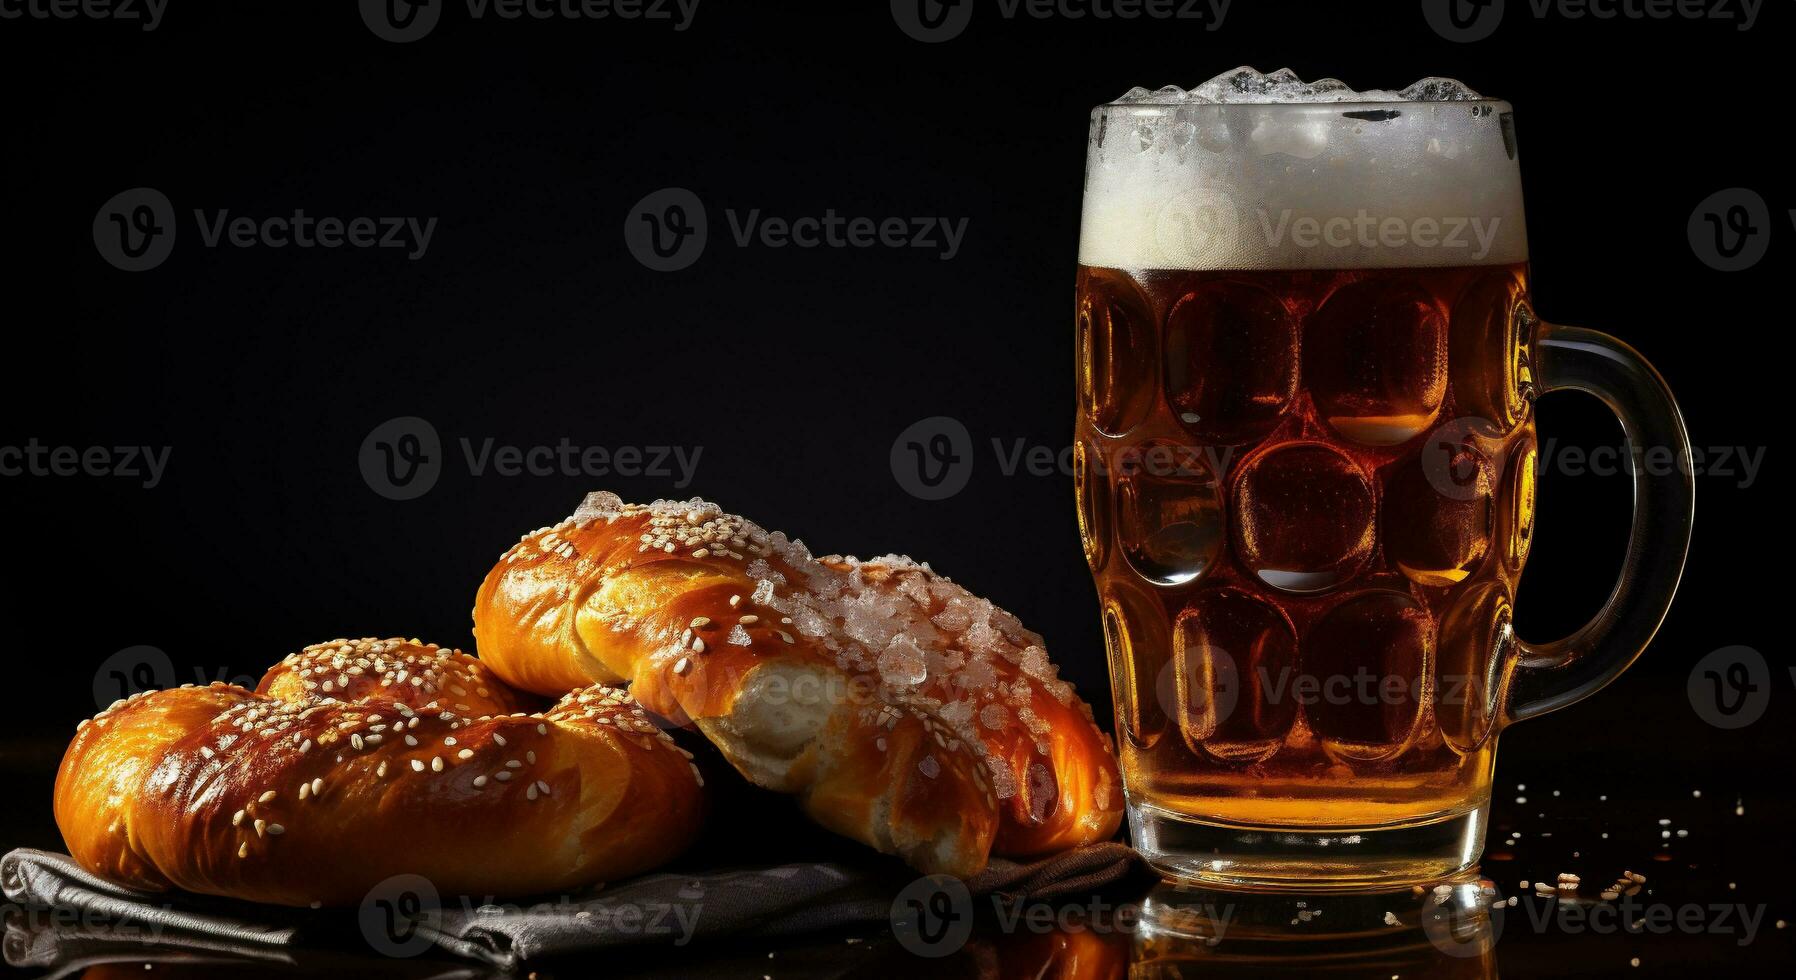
[[465, 754], [479, 781], [681, 666], [749, 620], [237, 818], [266, 797], [276, 830], [502, 776], [417, 765], [498, 738]]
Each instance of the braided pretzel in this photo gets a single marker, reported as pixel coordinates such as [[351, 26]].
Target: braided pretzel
[[358, 760], [903, 711]]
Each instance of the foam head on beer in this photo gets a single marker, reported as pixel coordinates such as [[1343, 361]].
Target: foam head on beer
[[1267, 171]]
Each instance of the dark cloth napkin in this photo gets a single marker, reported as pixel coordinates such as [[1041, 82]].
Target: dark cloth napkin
[[85, 915]]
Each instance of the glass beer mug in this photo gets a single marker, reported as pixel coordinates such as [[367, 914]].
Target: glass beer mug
[[1306, 472]]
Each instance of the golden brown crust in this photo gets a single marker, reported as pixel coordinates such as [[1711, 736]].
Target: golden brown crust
[[223, 791], [408, 671], [797, 669]]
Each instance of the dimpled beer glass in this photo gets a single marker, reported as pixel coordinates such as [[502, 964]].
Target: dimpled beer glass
[[1306, 463]]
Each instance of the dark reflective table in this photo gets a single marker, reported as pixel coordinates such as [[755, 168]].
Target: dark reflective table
[[1707, 828]]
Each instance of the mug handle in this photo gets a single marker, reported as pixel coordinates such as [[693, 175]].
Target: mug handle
[[1552, 675]]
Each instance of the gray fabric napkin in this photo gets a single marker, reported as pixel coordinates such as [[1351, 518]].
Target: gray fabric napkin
[[668, 909]]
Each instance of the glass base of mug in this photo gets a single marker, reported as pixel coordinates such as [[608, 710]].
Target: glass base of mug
[[1183, 847]]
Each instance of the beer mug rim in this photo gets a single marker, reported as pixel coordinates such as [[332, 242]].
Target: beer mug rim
[[1485, 106]]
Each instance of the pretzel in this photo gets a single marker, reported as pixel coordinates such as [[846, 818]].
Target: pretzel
[[356, 761], [903, 711]]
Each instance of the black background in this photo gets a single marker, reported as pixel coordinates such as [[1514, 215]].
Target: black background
[[528, 321]]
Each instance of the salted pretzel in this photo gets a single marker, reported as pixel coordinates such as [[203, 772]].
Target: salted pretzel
[[358, 760], [903, 711]]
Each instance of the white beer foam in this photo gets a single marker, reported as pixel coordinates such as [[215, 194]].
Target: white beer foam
[[1252, 171]]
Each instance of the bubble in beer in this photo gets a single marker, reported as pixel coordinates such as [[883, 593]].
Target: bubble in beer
[[1248, 330], [1303, 517], [1370, 655], [1235, 652], [1375, 360], [1441, 530]]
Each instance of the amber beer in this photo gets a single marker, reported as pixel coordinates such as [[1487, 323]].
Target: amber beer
[[1305, 478]]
